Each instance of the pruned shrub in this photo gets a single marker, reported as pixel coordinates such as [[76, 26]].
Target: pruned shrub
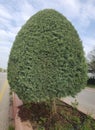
[[47, 59]]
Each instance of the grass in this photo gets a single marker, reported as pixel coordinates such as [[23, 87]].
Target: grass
[[91, 86], [11, 127]]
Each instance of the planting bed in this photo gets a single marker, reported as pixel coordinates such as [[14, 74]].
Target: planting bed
[[66, 117]]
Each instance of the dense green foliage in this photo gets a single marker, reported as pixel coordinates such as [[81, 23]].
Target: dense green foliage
[[47, 59]]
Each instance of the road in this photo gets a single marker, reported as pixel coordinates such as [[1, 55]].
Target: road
[[4, 102], [86, 101]]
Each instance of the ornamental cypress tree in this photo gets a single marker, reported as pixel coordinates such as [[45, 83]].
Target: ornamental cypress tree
[[47, 59]]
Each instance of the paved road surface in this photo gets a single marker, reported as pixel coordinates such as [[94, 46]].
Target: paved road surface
[[4, 102], [86, 100]]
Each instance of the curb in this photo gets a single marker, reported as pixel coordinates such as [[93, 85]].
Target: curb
[[17, 122], [26, 125], [90, 89], [81, 108]]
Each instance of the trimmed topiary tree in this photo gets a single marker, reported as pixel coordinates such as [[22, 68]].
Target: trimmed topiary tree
[[47, 59]]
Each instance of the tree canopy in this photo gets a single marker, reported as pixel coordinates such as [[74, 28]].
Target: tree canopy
[[91, 61], [47, 59]]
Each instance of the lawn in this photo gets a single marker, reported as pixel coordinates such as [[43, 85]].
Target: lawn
[[91, 86]]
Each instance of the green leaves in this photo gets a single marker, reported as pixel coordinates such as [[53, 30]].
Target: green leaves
[[47, 59]]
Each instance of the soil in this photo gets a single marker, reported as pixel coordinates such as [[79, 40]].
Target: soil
[[66, 117]]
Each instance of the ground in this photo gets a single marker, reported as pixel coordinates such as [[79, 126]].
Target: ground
[[66, 117]]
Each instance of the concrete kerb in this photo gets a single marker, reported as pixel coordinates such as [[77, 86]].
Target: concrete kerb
[[90, 89], [80, 107], [18, 124], [26, 125]]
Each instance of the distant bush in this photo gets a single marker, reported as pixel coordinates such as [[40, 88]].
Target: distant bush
[[91, 81], [1, 69], [47, 59]]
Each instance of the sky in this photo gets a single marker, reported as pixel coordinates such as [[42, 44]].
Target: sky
[[15, 13]]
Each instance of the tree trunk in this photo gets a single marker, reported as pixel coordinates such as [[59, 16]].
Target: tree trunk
[[54, 111]]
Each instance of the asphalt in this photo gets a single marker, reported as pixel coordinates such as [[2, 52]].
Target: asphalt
[[3, 77], [4, 102]]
